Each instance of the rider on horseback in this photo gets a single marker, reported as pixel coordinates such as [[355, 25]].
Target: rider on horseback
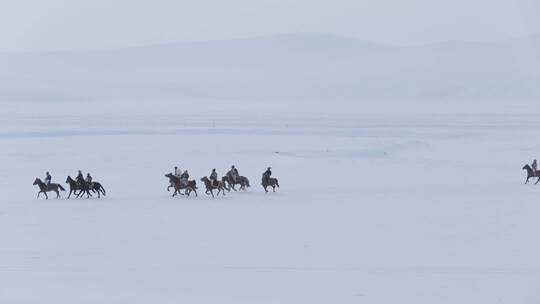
[[233, 173], [534, 167], [184, 178], [214, 177], [88, 181], [48, 179], [80, 178], [177, 171], [266, 175]]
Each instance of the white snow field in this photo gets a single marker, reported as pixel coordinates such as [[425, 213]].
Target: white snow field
[[380, 202]]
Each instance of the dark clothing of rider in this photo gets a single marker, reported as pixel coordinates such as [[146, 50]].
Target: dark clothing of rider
[[534, 166], [80, 177], [267, 174], [233, 173], [213, 177], [48, 179]]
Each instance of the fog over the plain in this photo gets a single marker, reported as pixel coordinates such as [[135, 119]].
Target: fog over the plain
[[90, 24]]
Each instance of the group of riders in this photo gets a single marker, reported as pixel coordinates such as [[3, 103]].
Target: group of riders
[[232, 173], [80, 179], [232, 177], [79, 186]]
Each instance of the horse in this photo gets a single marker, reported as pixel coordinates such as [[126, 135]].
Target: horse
[[225, 180], [97, 187], [531, 173], [240, 180], [270, 182], [177, 184], [43, 188], [74, 186], [210, 187]]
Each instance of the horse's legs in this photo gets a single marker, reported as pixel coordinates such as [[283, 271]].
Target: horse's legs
[[537, 180], [57, 193], [38, 194], [46, 196]]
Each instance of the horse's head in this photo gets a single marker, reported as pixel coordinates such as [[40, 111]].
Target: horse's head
[[68, 179], [169, 175], [526, 167], [37, 181], [204, 179]]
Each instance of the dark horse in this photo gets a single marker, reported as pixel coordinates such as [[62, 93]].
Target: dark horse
[[531, 173], [43, 188], [225, 180], [240, 180], [210, 186], [84, 188], [270, 182], [177, 184], [97, 187], [74, 186]]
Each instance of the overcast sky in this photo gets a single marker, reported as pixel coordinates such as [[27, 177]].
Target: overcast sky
[[91, 24]]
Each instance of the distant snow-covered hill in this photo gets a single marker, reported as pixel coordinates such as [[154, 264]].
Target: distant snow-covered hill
[[303, 67]]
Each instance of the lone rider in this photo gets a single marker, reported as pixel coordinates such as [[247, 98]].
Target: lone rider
[[213, 177], [184, 178], [48, 178], [534, 166], [80, 178], [266, 175]]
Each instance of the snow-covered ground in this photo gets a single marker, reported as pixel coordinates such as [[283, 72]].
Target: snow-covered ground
[[374, 208], [400, 173]]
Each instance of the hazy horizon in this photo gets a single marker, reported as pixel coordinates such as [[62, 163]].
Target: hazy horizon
[[31, 25]]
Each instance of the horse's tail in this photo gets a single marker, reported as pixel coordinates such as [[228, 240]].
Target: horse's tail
[[61, 188], [277, 183], [247, 183]]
